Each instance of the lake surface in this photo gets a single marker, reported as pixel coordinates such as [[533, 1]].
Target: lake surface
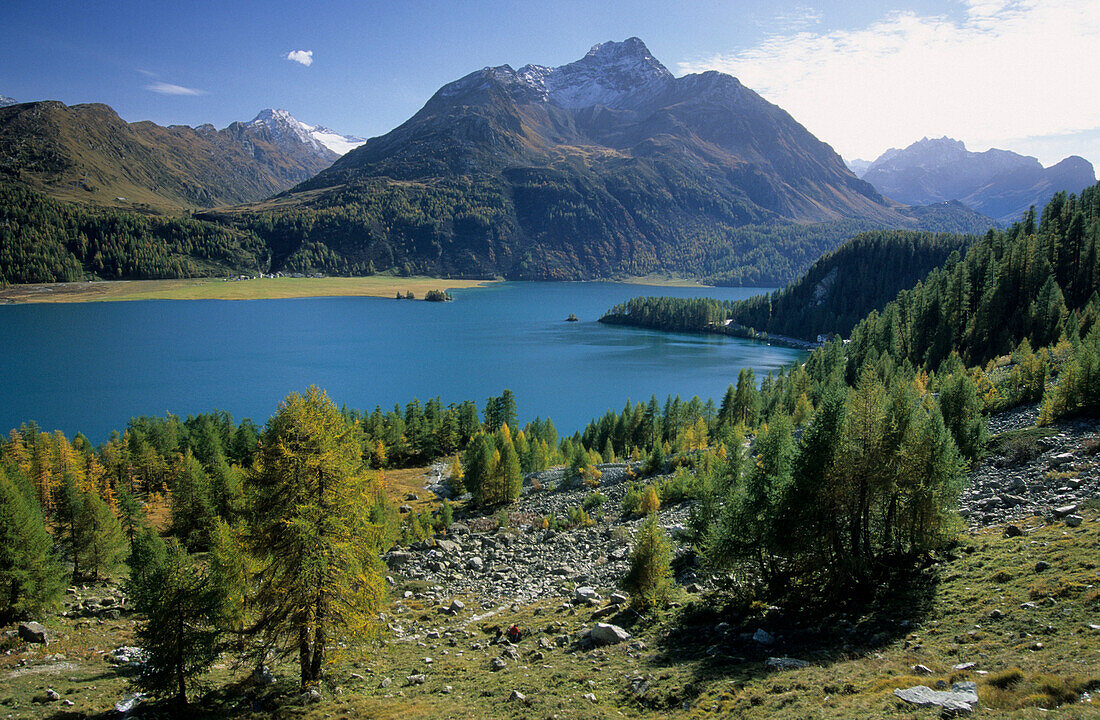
[[89, 367]]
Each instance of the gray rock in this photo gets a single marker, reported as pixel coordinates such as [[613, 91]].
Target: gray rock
[[962, 667], [1061, 512], [496, 664], [585, 594], [785, 663], [605, 611], [386, 682], [763, 637], [397, 558], [517, 696], [922, 670], [960, 699], [52, 695], [1062, 459], [608, 634], [1041, 566], [1012, 531], [417, 679], [456, 606], [475, 563], [405, 509], [617, 599], [33, 632], [1073, 520]]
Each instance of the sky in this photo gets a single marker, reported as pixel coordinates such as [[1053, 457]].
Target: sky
[[863, 76]]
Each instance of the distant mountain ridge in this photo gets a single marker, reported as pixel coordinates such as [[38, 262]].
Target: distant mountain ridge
[[87, 153], [5, 101], [605, 166], [998, 183]]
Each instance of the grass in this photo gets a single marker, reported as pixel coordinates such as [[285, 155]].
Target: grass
[[683, 664], [219, 289]]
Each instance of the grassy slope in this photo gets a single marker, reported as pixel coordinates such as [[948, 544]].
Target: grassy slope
[[693, 670], [213, 289]]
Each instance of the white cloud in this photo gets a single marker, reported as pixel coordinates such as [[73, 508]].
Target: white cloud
[[169, 89], [305, 57], [1010, 69]]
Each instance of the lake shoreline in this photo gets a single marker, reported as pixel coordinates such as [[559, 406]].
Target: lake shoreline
[[229, 289]]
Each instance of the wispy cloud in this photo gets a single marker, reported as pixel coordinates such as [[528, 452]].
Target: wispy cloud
[[169, 89], [1008, 69], [305, 57], [796, 19]]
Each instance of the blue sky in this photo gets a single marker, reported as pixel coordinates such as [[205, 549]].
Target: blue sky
[[863, 76]]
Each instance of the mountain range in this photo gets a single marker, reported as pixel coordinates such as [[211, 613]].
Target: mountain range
[[998, 183], [87, 153], [608, 165]]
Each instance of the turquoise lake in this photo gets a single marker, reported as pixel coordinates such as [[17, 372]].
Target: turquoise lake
[[89, 367]]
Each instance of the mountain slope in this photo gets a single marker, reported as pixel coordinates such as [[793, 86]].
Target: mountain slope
[[605, 166], [87, 153], [997, 183]]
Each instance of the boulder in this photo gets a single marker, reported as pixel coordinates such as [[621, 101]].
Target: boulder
[[1061, 512], [397, 558], [33, 632], [959, 700], [785, 663], [585, 594], [607, 634], [763, 637], [1073, 520], [1012, 531], [475, 563]]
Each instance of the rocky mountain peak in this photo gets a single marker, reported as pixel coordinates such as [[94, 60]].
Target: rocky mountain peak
[[321, 141], [5, 101]]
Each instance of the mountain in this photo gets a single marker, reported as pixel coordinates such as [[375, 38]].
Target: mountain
[[858, 167], [87, 153], [289, 132], [998, 183], [5, 101], [605, 166]]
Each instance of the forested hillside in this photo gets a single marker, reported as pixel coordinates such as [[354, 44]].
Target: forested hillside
[[836, 292], [42, 240]]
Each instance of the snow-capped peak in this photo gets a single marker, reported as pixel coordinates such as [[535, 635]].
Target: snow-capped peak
[[614, 74], [607, 75], [284, 126], [5, 101]]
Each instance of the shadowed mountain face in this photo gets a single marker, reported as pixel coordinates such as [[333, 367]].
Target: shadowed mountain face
[[605, 166], [997, 183], [87, 153]]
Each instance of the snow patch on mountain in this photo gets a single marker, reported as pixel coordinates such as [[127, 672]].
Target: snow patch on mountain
[[5, 101], [284, 126]]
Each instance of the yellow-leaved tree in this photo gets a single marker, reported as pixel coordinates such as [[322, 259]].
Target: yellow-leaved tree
[[319, 581]]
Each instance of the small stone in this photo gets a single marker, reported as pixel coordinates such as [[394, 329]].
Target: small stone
[[475, 563], [922, 670], [963, 667], [456, 607], [496, 664], [1061, 512], [617, 599], [447, 690], [1012, 531], [1041, 566], [386, 682], [518, 696], [405, 509], [763, 637], [52, 695], [1073, 520], [590, 697], [417, 679], [583, 595]]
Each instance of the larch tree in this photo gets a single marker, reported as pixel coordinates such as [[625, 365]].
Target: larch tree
[[319, 579], [30, 575]]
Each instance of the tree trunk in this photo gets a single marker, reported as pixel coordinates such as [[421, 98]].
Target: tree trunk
[[303, 655]]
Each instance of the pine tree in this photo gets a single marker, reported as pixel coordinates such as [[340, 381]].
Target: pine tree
[[193, 512], [177, 633], [30, 574], [319, 580], [649, 580], [100, 541]]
